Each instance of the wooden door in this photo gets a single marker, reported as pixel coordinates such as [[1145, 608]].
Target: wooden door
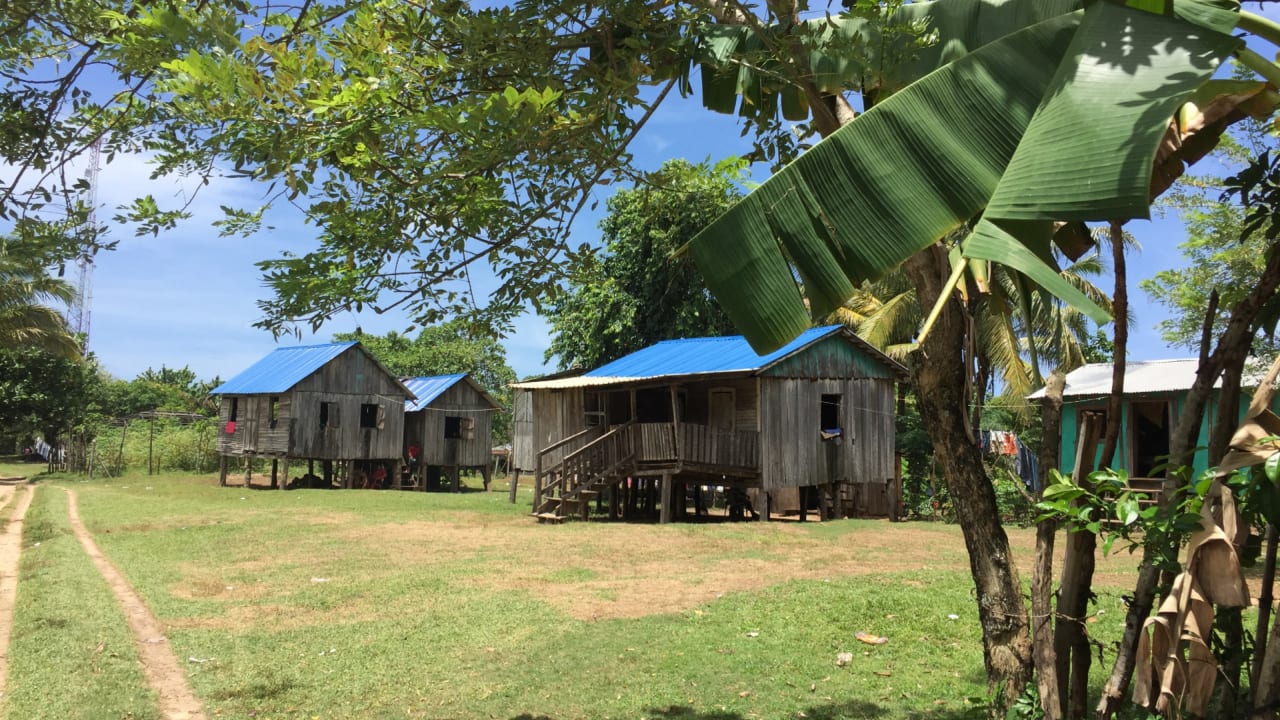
[[721, 408]]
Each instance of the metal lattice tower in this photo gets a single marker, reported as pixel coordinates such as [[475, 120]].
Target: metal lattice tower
[[82, 305]]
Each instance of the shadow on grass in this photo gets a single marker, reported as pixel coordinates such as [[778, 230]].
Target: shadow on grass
[[834, 711]]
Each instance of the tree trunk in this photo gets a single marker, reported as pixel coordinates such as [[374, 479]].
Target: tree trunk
[[1071, 639], [939, 372], [1042, 571], [1234, 344]]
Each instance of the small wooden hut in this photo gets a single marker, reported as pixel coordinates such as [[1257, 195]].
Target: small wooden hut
[[814, 418], [451, 422], [334, 403]]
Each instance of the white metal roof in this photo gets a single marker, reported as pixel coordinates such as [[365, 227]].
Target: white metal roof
[[1140, 376]]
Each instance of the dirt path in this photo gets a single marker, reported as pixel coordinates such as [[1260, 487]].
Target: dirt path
[[163, 672], [10, 554]]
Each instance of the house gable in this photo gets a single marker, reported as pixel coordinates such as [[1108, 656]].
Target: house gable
[[835, 356]]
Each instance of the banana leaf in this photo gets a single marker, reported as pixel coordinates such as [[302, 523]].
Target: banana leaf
[[1057, 121]]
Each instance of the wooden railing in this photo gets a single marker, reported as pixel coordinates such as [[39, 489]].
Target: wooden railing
[[660, 442], [550, 458], [584, 468]]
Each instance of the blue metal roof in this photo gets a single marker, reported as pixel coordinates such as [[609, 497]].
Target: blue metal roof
[[704, 355], [281, 369], [428, 389]]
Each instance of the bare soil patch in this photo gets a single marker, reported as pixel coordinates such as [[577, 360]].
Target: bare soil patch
[[616, 570], [159, 664]]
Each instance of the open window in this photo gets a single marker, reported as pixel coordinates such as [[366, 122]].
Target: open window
[[235, 409], [829, 419], [459, 428], [274, 403], [328, 414], [372, 416]]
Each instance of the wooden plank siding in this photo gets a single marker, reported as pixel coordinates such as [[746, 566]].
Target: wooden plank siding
[[555, 415], [427, 427], [348, 381], [793, 452]]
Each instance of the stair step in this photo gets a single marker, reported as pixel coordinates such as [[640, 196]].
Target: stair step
[[546, 517]]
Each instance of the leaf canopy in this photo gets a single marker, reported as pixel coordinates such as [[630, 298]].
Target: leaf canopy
[[1057, 121]]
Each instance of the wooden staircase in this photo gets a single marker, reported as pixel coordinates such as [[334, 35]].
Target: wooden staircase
[[569, 486]]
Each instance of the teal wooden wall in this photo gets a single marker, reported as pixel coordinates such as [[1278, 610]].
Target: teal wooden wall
[[1071, 426]]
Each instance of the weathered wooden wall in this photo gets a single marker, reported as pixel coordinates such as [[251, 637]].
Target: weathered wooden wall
[[427, 427], [255, 433], [348, 381], [793, 452], [552, 416]]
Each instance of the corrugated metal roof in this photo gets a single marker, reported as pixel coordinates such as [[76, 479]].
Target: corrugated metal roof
[[1140, 376], [427, 389], [281, 369], [695, 356]]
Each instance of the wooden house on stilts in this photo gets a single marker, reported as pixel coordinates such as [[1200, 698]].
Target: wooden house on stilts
[[448, 426], [815, 417], [334, 403]]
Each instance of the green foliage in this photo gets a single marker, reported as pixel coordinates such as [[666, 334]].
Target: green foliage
[[44, 394], [1083, 152], [161, 444], [453, 347], [637, 293], [1099, 347], [1109, 509], [28, 295]]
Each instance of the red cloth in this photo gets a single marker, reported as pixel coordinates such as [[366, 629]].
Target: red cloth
[[231, 427]]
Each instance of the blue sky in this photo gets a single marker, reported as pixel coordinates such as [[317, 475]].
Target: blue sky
[[188, 297]]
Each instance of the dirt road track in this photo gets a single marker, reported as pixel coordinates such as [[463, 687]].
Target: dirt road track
[[10, 554], [164, 673]]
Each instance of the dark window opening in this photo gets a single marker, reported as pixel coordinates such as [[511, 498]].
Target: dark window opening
[[328, 417], [653, 405], [368, 415], [830, 417], [275, 410], [235, 407], [459, 428]]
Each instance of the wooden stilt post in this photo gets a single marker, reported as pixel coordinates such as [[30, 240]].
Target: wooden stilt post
[[326, 467], [284, 481], [513, 479], [803, 492], [487, 475], [614, 491], [762, 505], [456, 473], [248, 471], [667, 493], [222, 470], [275, 473], [537, 484]]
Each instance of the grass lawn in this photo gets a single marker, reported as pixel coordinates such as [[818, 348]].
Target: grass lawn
[[363, 604]]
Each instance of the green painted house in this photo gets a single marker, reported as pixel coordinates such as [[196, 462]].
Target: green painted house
[[1154, 394]]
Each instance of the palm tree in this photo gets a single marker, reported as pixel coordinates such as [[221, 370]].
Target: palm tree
[[26, 316], [1019, 328]]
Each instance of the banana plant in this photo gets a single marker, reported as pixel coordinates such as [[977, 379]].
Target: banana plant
[[1050, 115]]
